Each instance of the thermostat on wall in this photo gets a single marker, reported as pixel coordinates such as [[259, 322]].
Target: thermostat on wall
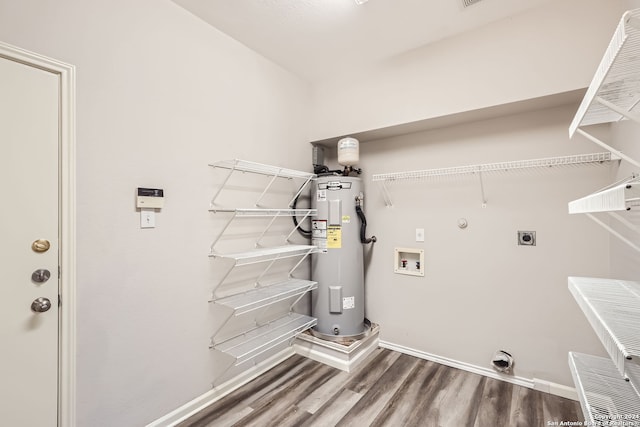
[[151, 198]]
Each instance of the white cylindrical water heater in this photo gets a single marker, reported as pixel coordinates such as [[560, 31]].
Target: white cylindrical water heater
[[338, 302]]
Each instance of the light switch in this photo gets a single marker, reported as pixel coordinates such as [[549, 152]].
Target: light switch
[[419, 234], [147, 218]]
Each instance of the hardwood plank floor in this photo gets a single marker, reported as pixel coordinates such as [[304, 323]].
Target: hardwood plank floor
[[388, 389]]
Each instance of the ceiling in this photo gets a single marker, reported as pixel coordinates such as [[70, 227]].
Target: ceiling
[[317, 39]]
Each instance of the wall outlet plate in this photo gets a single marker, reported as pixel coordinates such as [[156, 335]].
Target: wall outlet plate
[[526, 238]]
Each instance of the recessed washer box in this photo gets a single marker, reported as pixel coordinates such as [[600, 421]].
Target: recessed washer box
[[150, 198], [408, 261]]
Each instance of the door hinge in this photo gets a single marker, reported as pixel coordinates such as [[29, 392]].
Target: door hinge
[[59, 272], [59, 300]]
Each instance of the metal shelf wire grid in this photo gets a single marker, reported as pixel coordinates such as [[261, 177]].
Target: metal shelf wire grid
[[613, 310], [619, 197], [577, 159], [616, 80], [606, 398], [266, 254], [259, 168], [257, 341], [266, 295]]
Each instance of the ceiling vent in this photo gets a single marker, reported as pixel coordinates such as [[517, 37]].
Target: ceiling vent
[[467, 3]]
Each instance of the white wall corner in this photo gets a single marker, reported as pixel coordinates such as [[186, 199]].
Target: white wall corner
[[199, 403]]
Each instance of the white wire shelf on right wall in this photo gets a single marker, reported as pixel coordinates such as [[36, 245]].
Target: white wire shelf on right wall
[[611, 306], [613, 94]]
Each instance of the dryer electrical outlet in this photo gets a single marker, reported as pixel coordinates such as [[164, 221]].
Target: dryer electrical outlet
[[526, 238]]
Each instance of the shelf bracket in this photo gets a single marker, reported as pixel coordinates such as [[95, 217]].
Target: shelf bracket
[[275, 176], [608, 147], [265, 230], [484, 199], [297, 226], [211, 248], [300, 297], [302, 258], [624, 222], [624, 113], [302, 187], [614, 232], [226, 179], [385, 194]]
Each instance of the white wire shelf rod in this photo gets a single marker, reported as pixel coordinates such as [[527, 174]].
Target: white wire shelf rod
[[497, 167]]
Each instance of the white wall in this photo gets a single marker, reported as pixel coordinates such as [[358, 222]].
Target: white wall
[[481, 292], [159, 95], [549, 50]]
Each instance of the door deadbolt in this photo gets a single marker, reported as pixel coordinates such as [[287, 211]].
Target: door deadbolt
[[40, 275], [41, 245], [40, 305]]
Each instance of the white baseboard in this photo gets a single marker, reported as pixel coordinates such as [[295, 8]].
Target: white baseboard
[[536, 384], [555, 388], [336, 355], [199, 403]]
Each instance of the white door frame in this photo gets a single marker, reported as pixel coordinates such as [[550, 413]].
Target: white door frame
[[67, 163]]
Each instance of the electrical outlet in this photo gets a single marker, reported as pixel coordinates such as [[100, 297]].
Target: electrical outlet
[[526, 238]]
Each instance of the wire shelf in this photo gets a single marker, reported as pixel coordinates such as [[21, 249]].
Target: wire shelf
[[274, 172], [259, 168], [257, 341], [616, 80], [619, 197], [613, 310], [496, 167], [266, 254], [606, 399], [267, 212], [267, 295], [488, 168]]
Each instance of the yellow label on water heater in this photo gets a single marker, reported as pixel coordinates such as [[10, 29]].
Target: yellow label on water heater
[[334, 237]]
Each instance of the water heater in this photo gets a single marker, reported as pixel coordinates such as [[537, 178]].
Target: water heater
[[338, 302]]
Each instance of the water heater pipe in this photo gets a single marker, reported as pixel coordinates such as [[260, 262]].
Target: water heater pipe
[[363, 223]]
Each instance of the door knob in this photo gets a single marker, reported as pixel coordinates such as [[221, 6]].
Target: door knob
[[40, 275], [40, 305]]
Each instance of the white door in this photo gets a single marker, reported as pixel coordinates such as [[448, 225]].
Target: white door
[[29, 212]]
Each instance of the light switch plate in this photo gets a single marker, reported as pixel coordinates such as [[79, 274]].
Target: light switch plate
[[419, 234], [147, 218]]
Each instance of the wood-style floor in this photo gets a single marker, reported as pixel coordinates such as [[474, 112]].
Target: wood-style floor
[[388, 389]]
